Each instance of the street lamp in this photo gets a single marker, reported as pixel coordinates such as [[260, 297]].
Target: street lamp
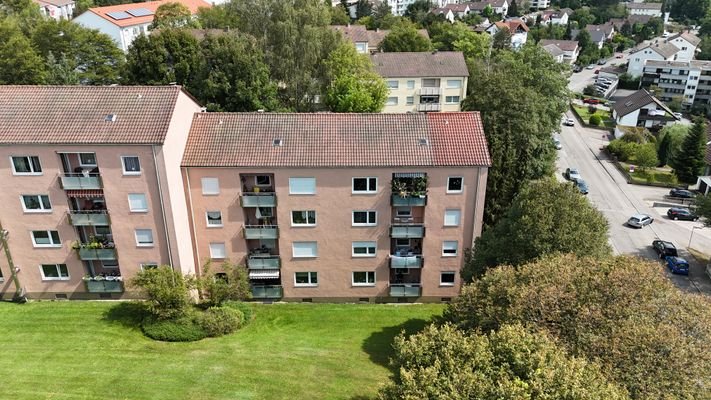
[[692, 235]]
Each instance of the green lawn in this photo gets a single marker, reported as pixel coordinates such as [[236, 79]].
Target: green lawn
[[93, 350], [584, 115], [653, 176]]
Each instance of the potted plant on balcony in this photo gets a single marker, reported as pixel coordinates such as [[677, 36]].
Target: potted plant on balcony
[[400, 188], [420, 186]]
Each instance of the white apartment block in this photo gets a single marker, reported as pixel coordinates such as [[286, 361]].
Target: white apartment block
[[57, 9], [688, 80], [653, 52]]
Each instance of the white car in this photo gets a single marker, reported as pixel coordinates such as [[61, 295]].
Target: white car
[[678, 115], [572, 174], [557, 143], [568, 122], [639, 220]]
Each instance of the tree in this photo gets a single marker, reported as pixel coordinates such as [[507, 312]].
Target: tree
[[568, 32], [646, 156], [167, 291], [60, 71], [703, 209], [171, 55], [19, 62], [232, 284], [173, 15], [405, 37], [487, 12], [622, 312], [364, 8], [689, 162], [502, 39], [444, 35], [693, 10], [444, 362], [418, 10], [669, 142], [355, 86], [513, 9], [340, 15], [546, 217]]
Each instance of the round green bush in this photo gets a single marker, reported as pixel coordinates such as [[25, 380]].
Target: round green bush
[[595, 120], [218, 321], [182, 329], [246, 308]]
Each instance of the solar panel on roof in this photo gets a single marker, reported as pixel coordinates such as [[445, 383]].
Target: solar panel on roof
[[118, 15], [140, 12]]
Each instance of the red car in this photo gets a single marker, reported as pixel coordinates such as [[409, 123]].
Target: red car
[[591, 101], [619, 55], [597, 71]]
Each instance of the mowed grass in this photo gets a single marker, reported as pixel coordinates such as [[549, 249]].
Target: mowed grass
[[94, 350]]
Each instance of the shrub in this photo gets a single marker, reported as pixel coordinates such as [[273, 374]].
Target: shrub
[[622, 150], [218, 321], [595, 120], [589, 90], [182, 329], [168, 291], [246, 309], [234, 285]]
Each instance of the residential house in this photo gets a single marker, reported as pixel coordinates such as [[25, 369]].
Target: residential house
[[686, 43], [640, 109], [338, 207], [424, 81], [540, 4], [561, 16], [653, 52], [688, 80], [517, 28], [57, 9], [452, 11], [554, 51], [599, 34], [366, 41], [500, 7], [125, 22], [651, 9], [569, 48], [632, 20], [92, 189], [399, 7]]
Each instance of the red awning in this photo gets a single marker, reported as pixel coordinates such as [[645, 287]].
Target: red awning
[[85, 193]]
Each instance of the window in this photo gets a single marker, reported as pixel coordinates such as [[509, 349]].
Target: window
[[403, 212], [137, 202], [302, 185], [54, 272], [210, 186], [144, 237], [263, 180], [446, 278], [452, 217], [217, 250], [410, 100], [304, 249], [363, 249], [364, 278], [365, 185], [364, 218], [131, 165], [148, 265], [305, 279], [451, 99], [454, 83], [36, 203], [26, 165], [410, 84], [112, 264], [87, 159], [46, 239], [430, 82], [449, 248], [393, 84], [454, 184], [402, 242], [214, 219], [362, 47], [391, 101], [303, 218]]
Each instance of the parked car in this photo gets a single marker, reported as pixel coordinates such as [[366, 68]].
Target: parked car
[[677, 265], [572, 174], [581, 185], [681, 213], [557, 144], [577, 68], [681, 193], [664, 248], [639, 220], [597, 71], [568, 122], [619, 55], [665, 34], [678, 115], [591, 66], [591, 101], [602, 61]]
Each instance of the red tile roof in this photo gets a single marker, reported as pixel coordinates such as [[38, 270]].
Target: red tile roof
[[103, 12], [77, 114], [420, 64], [323, 140], [359, 34]]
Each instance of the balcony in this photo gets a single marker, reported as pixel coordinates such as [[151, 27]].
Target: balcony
[[428, 107], [406, 261], [87, 254], [257, 261], [89, 218], [258, 200], [80, 181], [260, 232], [266, 292], [104, 286], [408, 201], [430, 91], [405, 290], [401, 231]]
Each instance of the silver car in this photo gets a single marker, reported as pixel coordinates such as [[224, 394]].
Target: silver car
[[639, 220]]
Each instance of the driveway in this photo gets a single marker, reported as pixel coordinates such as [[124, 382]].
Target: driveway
[[618, 200]]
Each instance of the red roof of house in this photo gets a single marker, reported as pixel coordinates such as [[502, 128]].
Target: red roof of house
[[103, 12], [322, 140], [77, 114]]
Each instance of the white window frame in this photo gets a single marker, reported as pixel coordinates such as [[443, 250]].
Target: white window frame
[[138, 243], [457, 84], [442, 283], [367, 184], [375, 223], [214, 253], [82, 164], [410, 100], [367, 282], [455, 213], [367, 245], [314, 254], [447, 245], [404, 212], [302, 179], [59, 272], [32, 171], [410, 84], [123, 166], [450, 99], [137, 210], [294, 224], [256, 183], [393, 84], [49, 236], [391, 101], [39, 197], [208, 180], [207, 219], [461, 186], [311, 275]]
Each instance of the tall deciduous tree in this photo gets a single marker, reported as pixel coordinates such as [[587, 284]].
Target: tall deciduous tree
[[340, 15], [171, 55], [173, 15], [19, 62], [689, 162], [405, 37], [513, 9], [354, 85], [502, 39]]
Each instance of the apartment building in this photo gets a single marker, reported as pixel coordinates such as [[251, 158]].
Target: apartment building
[[56, 9], [367, 41], [653, 52], [92, 190], [329, 207], [686, 43], [423, 81], [688, 80]]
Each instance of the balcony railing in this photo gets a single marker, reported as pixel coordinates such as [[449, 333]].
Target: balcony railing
[[104, 286], [407, 231], [96, 254], [426, 107], [89, 218], [266, 292], [260, 232], [430, 91], [408, 201], [263, 262], [80, 181], [412, 261], [258, 200], [405, 290]]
